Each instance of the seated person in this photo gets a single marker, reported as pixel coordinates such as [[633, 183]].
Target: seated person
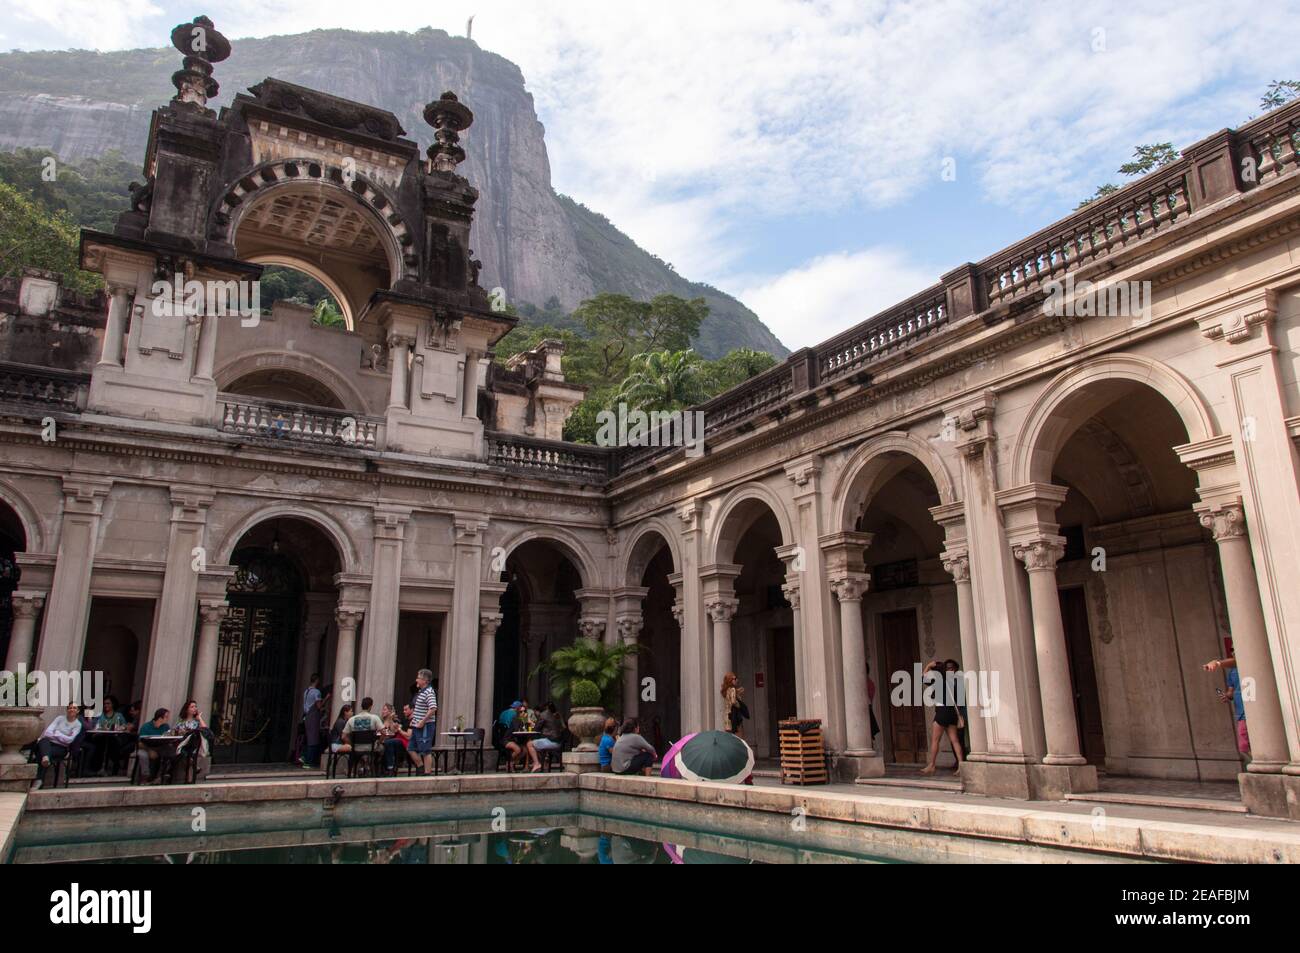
[[364, 720], [507, 723], [146, 754], [397, 735], [193, 724], [606, 748], [337, 744], [632, 753], [105, 748], [552, 729], [133, 716], [57, 738]]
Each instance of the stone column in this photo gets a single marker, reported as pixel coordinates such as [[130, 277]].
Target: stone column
[[957, 563], [469, 397], [849, 589], [63, 626], [1268, 750], [398, 348], [1040, 555], [377, 676], [629, 629], [171, 647], [211, 615], [115, 327], [721, 610], [488, 623], [696, 715], [348, 619], [26, 606], [820, 668], [207, 350], [795, 560], [458, 675]]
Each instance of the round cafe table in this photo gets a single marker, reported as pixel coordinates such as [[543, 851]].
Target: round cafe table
[[460, 742], [99, 736]]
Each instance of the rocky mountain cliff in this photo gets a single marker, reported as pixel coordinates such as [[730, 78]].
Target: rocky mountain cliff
[[533, 243]]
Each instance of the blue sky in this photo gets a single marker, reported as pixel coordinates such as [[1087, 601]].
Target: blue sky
[[793, 153]]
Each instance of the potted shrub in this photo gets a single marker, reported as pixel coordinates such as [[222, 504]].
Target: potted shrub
[[586, 714], [19, 724]]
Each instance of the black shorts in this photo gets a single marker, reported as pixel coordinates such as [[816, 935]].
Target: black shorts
[[946, 716], [640, 761]]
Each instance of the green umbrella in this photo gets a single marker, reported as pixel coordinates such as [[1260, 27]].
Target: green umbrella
[[715, 756]]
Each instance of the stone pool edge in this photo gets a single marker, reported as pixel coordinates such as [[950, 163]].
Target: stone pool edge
[[1040, 824]]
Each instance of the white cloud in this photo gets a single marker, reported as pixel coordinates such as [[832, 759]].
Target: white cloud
[[808, 304]]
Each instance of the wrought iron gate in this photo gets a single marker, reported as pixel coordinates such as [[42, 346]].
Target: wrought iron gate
[[253, 708]]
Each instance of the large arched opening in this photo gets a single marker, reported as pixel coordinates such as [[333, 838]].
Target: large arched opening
[[651, 567], [282, 599], [761, 623], [1140, 586], [13, 540]]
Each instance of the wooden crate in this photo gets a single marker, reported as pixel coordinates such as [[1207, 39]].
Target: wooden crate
[[803, 752]]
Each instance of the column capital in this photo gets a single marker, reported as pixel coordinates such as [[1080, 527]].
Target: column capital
[[26, 603], [1224, 519], [488, 623], [956, 562], [844, 551], [791, 590], [469, 528], [190, 503], [348, 617], [690, 513], [590, 627], [629, 627], [804, 473], [722, 609], [679, 612], [851, 586], [970, 423], [1030, 510], [400, 340], [213, 613], [390, 521], [1039, 553], [84, 493]]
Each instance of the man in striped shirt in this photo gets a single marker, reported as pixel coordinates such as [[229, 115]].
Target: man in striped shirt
[[424, 709]]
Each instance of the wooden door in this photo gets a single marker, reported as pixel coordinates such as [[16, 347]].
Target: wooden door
[[781, 701], [906, 723], [1083, 675]]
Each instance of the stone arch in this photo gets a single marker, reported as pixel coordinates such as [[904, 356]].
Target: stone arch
[[279, 174], [873, 463], [642, 548], [1067, 401], [567, 542], [311, 270], [722, 544], [344, 391], [343, 543], [28, 516]]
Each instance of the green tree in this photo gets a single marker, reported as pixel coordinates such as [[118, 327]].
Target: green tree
[[734, 368], [33, 237], [327, 314], [590, 659], [663, 380], [620, 327], [1146, 158], [1279, 92]]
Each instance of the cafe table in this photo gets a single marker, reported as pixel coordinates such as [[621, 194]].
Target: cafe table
[[460, 746]]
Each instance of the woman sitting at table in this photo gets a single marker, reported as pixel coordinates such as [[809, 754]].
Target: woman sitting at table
[[147, 754], [192, 723], [552, 729], [105, 747], [396, 734], [337, 744], [503, 733]]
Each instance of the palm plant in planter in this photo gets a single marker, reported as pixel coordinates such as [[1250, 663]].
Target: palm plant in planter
[[590, 673]]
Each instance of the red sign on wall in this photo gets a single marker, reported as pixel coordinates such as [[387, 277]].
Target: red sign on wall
[[758, 679]]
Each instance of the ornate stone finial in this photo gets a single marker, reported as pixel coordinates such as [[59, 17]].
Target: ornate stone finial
[[449, 118], [202, 46]]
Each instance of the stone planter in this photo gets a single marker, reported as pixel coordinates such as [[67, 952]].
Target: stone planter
[[587, 725], [18, 726]]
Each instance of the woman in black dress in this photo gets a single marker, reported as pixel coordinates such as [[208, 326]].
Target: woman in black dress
[[948, 717]]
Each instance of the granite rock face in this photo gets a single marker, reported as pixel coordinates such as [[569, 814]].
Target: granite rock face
[[533, 243]]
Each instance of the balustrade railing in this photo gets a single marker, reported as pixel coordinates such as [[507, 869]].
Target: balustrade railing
[[554, 458], [298, 423], [42, 386], [886, 332]]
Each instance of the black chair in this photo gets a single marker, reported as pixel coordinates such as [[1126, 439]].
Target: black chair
[[472, 748], [62, 764], [554, 757], [366, 754]]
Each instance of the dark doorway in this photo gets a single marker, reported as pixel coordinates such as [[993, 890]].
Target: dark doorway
[[906, 722], [1083, 675], [256, 651], [781, 701]]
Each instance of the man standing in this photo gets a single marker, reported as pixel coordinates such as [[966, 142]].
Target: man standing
[[311, 716], [424, 709]]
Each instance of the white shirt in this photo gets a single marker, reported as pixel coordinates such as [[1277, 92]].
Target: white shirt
[[62, 730]]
